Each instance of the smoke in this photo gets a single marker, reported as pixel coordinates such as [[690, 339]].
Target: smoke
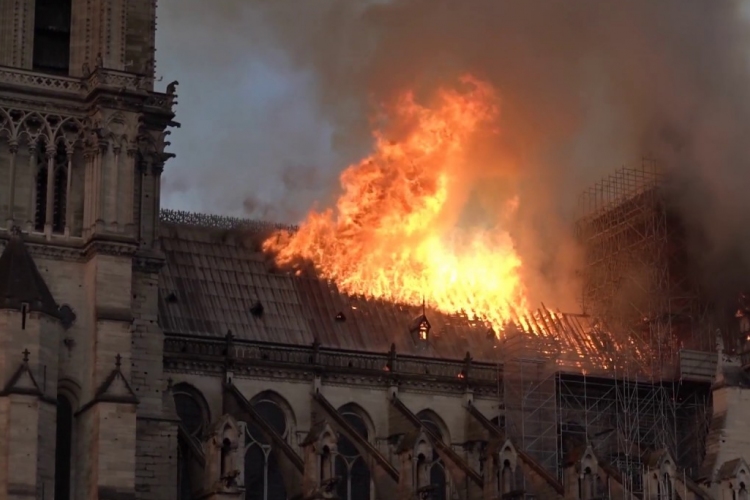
[[585, 86]]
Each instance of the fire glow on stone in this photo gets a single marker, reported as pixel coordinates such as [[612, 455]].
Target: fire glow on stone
[[392, 233]]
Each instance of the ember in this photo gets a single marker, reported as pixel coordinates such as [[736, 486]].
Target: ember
[[393, 233]]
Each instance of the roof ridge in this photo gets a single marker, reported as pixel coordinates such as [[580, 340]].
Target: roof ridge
[[216, 221]]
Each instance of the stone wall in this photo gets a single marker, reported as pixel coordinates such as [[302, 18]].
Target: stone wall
[[156, 449]]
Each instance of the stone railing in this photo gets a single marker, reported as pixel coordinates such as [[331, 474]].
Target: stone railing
[[334, 360], [212, 221], [100, 77], [64, 84]]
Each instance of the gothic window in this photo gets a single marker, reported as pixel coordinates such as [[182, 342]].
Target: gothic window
[[263, 479], [63, 448], [191, 408], [436, 467], [354, 476], [506, 478], [59, 189], [587, 485], [194, 416], [52, 36]]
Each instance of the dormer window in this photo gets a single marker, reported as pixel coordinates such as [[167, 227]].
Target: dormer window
[[420, 329], [424, 329]]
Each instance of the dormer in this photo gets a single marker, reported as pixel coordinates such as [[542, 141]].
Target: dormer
[[423, 458], [224, 449], [585, 475], [734, 479], [659, 475], [419, 329], [587, 468], [320, 448], [507, 463]]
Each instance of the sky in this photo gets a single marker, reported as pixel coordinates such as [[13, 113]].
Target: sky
[[275, 97], [241, 109]]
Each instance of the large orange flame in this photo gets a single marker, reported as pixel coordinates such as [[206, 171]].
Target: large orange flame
[[393, 234]]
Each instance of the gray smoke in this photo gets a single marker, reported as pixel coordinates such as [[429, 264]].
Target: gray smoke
[[586, 86]]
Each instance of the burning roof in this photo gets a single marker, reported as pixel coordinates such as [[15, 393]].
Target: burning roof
[[217, 279]]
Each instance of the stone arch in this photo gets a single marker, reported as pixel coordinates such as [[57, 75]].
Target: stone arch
[[192, 408], [281, 402], [356, 409], [71, 390], [434, 422], [69, 131], [32, 134], [7, 129], [68, 402]]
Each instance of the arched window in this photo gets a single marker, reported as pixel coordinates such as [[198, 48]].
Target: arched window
[[63, 448], [194, 416], [59, 189], [354, 482], [506, 478], [52, 36], [263, 479], [437, 469], [742, 495], [191, 408]]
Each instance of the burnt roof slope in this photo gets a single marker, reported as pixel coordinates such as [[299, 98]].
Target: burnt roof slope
[[214, 279], [20, 280]]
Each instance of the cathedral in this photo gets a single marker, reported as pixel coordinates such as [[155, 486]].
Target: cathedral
[[159, 355]]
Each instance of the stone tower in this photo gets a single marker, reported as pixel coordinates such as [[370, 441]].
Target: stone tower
[[82, 139]]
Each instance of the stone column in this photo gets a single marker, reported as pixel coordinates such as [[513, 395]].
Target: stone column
[[142, 213], [88, 160], [50, 195], [157, 170], [31, 212], [129, 191], [13, 146], [100, 200], [114, 181], [68, 192]]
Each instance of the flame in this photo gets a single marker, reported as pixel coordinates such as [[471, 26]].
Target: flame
[[393, 233]]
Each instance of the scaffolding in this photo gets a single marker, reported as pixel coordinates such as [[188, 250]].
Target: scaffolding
[[530, 397], [637, 287], [622, 419], [614, 377], [636, 277]]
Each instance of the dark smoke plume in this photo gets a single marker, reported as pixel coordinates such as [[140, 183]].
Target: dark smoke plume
[[586, 86]]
